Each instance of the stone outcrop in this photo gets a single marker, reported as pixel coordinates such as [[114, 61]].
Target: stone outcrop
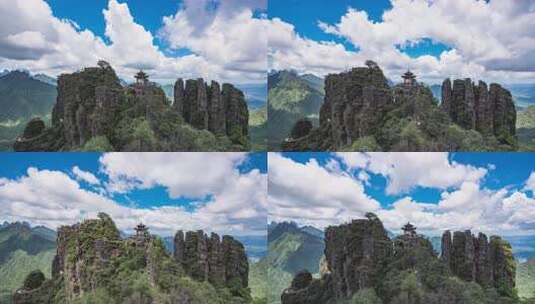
[[362, 112], [355, 103], [86, 107], [301, 128], [220, 262], [471, 258], [222, 111], [356, 255], [491, 111], [91, 256], [360, 255], [93, 111]]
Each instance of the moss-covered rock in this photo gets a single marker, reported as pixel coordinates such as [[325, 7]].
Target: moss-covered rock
[[95, 265], [93, 106]]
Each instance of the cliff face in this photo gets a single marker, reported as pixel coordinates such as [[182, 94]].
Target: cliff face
[[362, 113], [360, 257], [356, 255], [489, 111], [472, 258], [94, 112], [220, 262], [208, 107], [92, 260], [355, 102]]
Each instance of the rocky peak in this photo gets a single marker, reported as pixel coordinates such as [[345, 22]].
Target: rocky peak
[[94, 111], [222, 262], [360, 256], [476, 259], [222, 111], [356, 254], [490, 111], [355, 102]]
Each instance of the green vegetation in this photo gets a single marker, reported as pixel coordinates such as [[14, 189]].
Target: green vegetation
[[291, 97], [258, 273], [34, 280], [525, 126], [23, 97], [525, 279], [289, 253], [100, 267], [23, 250], [258, 129]]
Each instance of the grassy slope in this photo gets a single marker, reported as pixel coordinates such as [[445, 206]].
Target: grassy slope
[[258, 129], [15, 269], [22, 250], [257, 279], [525, 279], [288, 254], [525, 125], [22, 98], [291, 98]]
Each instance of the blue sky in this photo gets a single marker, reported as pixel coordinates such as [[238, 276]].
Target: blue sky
[[305, 18], [512, 170], [489, 192], [165, 190], [87, 14], [167, 38], [437, 39]]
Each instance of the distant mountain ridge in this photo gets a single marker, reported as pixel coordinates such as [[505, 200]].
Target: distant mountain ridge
[[23, 97], [291, 97], [291, 249], [23, 249]]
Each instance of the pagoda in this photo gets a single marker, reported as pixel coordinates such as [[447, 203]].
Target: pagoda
[[409, 79], [409, 230], [142, 232], [141, 78]]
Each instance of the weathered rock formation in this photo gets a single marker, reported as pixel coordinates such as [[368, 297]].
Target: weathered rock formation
[[356, 254], [208, 107], [91, 256], [86, 107], [301, 128], [94, 111], [471, 258], [355, 103], [362, 112], [491, 111], [220, 262], [360, 256]]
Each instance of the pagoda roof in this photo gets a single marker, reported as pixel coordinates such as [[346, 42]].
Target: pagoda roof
[[408, 75], [409, 227], [141, 75], [140, 226]]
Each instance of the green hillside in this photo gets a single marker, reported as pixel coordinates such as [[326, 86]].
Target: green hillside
[[21, 98], [22, 250], [258, 129], [291, 249], [525, 279], [525, 128], [257, 281], [291, 97]]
